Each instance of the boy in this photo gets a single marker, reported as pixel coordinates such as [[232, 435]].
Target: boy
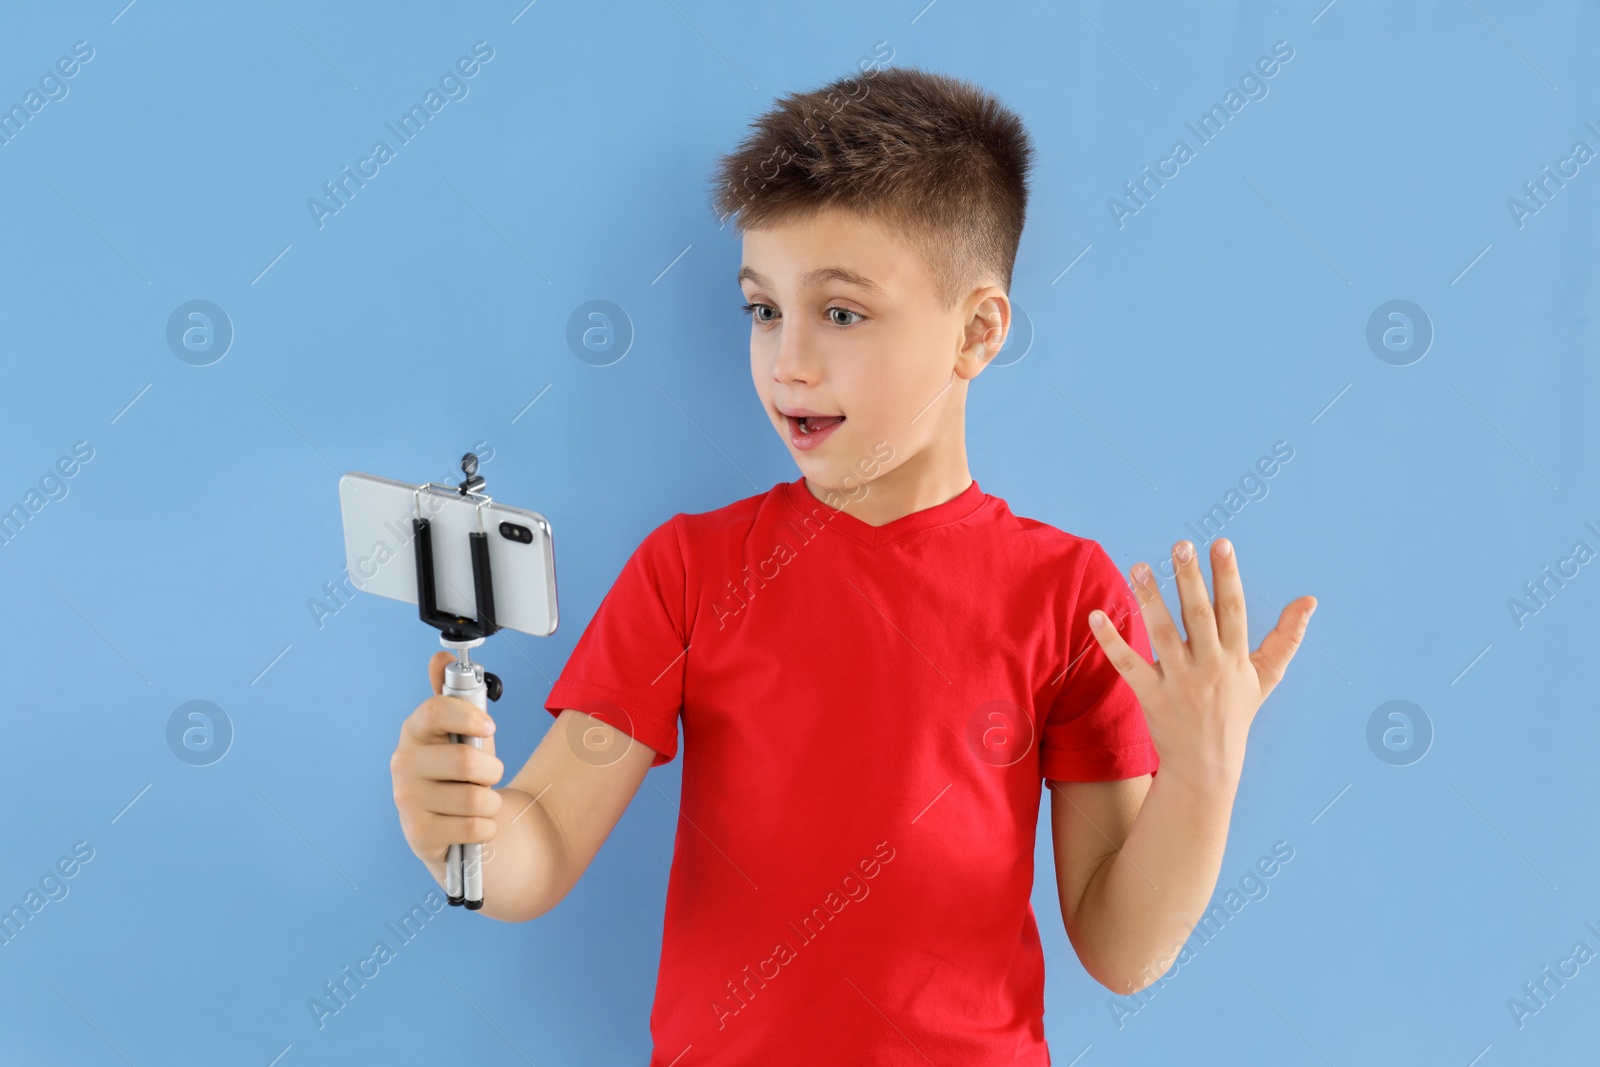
[[876, 664]]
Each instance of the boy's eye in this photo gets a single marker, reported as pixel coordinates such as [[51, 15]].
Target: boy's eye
[[753, 310]]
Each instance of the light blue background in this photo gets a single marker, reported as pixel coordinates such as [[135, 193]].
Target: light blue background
[[1228, 314]]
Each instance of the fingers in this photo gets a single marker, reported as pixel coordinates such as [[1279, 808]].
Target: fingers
[[1165, 640], [1232, 631], [446, 763], [436, 667], [443, 790], [459, 799], [444, 831], [438, 717], [441, 832], [1130, 664], [1279, 646], [430, 834], [1199, 621]]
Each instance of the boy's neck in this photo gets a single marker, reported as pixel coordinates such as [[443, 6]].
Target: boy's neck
[[909, 488]]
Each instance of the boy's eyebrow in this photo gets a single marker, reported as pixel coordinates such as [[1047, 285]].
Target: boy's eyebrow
[[821, 274]]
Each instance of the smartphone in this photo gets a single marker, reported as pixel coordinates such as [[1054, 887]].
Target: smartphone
[[381, 559]]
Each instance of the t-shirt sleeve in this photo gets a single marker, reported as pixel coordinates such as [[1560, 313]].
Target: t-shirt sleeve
[[1095, 730], [627, 668]]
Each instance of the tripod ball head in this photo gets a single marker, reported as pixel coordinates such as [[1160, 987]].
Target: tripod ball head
[[469, 467]]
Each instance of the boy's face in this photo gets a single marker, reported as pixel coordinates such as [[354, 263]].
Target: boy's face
[[876, 349]]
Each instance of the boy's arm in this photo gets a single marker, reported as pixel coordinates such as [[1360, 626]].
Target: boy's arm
[[1128, 919], [556, 812], [559, 808], [1146, 882]]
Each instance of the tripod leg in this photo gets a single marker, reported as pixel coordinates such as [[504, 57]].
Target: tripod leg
[[452, 875], [472, 862], [464, 863]]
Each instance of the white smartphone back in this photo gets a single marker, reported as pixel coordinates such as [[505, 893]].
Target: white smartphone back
[[381, 559]]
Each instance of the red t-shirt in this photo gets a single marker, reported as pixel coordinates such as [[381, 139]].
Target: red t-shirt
[[863, 760]]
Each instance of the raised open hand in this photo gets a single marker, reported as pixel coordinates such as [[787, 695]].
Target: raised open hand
[[1202, 694]]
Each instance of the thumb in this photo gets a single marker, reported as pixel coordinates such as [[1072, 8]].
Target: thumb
[[1272, 658], [436, 667]]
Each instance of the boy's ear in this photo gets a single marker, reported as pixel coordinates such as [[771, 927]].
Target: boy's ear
[[984, 330]]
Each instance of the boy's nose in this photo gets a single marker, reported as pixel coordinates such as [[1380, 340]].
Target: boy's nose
[[796, 358]]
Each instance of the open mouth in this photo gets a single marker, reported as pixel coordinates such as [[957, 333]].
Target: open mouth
[[810, 431], [811, 424]]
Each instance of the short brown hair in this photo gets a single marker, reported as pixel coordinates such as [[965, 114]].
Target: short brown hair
[[936, 159]]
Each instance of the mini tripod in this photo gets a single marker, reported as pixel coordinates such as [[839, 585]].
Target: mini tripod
[[463, 878]]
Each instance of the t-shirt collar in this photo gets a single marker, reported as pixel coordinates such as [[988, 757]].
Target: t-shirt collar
[[955, 509]]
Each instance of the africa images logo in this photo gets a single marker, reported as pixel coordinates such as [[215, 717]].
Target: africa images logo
[[856, 889], [453, 87]]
